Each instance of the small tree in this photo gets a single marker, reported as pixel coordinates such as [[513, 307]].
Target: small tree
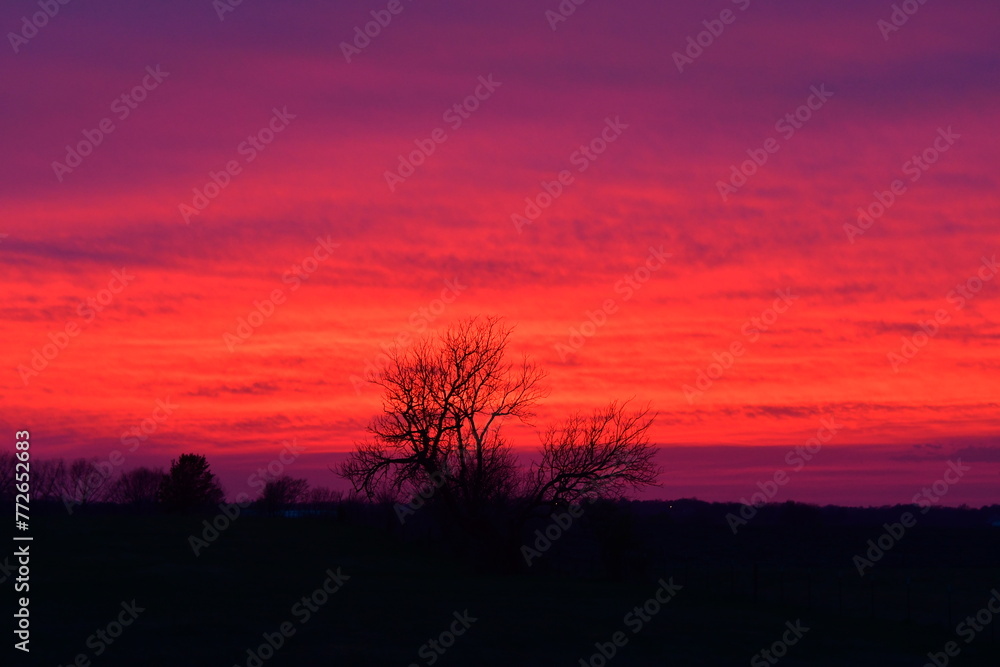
[[284, 490], [49, 480], [139, 486], [8, 462], [190, 484], [85, 482], [323, 495], [443, 404]]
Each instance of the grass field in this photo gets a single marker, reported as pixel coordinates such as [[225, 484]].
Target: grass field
[[210, 609]]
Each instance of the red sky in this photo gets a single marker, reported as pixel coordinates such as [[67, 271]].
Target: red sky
[[889, 96]]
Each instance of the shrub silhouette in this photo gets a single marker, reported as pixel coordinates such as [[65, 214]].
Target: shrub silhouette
[[282, 491]]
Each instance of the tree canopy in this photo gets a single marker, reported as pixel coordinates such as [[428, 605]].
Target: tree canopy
[[444, 402]]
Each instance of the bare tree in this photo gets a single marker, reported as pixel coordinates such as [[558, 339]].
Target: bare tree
[[85, 481], [601, 455], [8, 461], [443, 403], [49, 479], [139, 486], [321, 495]]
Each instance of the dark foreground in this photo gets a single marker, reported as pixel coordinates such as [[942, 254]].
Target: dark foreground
[[390, 599]]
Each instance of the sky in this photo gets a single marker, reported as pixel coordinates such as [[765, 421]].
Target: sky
[[756, 217]]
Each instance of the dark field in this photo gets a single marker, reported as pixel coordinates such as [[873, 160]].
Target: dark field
[[396, 596]]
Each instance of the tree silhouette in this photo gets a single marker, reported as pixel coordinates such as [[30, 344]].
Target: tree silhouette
[[139, 486], [601, 455], [444, 400], [48, 479], [8, 463], [190, 484], [284, 490], [85, 482]]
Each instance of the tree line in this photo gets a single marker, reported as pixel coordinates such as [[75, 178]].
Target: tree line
[[439, 438], [188, 485]]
